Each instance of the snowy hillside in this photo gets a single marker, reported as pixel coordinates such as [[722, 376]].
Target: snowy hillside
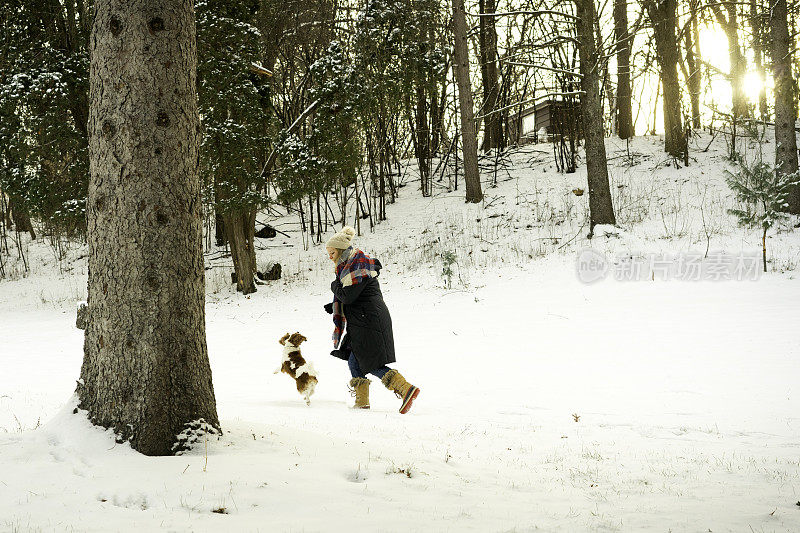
[[547, 404]]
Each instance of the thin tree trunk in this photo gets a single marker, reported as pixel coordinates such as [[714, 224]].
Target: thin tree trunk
[[738, 69], [438, 104], [692, 63], [758, 58], [493, 136], [422, 136], [219, 229], [606, 88], [311, 227], [465, 104], [601, 210], [730, 25], [382, 167], [145, 371], [249, 231], [624, 43], [785, 110]]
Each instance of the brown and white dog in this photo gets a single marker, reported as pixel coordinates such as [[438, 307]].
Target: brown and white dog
[[293, 364]]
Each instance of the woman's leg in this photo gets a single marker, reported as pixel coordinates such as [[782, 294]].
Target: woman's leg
[[395, 382], [359, 384], [380, 372], [355, 370]]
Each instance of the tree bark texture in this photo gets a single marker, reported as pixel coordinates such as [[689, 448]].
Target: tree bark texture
[[663, 18], [469, 140], [601, 211], [493, 128], [785, 110], [240, 234], [624, 43], [145, 371]]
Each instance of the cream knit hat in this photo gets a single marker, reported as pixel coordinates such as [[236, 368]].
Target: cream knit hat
[[342, 239]]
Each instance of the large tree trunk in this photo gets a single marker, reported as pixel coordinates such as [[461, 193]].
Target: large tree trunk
[[785, 110], [600, 209], [663, 17], [145, 370], [461, 68], [493, 136], [624, 42]]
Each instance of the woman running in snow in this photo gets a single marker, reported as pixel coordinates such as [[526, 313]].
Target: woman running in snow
[[358, 305]]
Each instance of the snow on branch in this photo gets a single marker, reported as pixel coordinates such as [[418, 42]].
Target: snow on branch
[[259, 69], [551, 69], [273, 155], [531, 13], [549, 43]]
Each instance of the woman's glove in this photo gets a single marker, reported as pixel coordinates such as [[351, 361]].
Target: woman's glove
[[329, 308]]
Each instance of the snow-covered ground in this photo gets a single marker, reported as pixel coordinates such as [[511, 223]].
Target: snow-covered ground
[[546, 403]]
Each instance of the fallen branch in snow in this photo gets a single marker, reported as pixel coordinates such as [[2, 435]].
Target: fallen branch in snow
[[573, 237]]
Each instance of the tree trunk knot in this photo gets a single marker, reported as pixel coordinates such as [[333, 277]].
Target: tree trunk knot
[[155, 24], [162, 119], [108, 129], [115, 25]]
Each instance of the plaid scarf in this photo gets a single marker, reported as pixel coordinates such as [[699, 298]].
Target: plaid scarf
[[353, 267]]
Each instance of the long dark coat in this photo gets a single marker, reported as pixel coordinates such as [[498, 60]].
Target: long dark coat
[[369, 324]]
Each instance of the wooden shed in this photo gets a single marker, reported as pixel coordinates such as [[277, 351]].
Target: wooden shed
[[555, 117]]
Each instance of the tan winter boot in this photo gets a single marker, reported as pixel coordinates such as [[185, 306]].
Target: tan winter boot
[[359, 387], [395, 382]]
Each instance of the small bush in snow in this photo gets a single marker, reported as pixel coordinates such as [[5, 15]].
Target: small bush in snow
[[448, 260], [764, 193], [406, 470]]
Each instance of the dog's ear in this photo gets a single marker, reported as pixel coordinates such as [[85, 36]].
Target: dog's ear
[[283, 339], [297, 339]]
